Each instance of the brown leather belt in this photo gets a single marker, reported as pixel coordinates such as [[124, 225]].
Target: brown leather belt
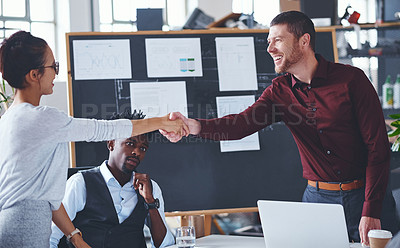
[[356, 184]]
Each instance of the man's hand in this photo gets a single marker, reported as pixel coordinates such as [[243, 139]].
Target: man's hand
[[143, 183], [176, 126], [193, 125], [366, 224], [78, 242]]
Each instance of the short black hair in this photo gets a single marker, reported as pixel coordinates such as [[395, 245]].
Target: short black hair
[[298, 24], [136, 115]]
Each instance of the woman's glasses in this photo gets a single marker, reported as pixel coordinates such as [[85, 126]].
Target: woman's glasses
[[55, 66]]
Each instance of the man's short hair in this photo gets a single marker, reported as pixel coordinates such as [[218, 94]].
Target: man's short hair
[[136, 115], [298, 24]]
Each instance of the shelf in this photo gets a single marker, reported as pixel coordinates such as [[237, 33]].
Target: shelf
[[370, 56], [368, 26], [387, 112]]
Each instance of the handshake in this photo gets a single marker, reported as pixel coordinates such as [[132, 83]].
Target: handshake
[[190, 126]]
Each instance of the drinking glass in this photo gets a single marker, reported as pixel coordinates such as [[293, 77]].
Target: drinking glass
[[185, 237]]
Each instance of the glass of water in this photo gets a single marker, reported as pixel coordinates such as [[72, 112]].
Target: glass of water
[[185, 237]]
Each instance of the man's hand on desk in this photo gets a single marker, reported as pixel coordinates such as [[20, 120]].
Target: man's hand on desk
[[194, 127], [366, 224]]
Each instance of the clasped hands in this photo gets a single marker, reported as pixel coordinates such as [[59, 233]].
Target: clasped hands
[[192, 126]]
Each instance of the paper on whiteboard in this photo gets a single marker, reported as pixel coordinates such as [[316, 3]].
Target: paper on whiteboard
[[236, 63], [159, 98], [102, 59], [233, 105], [173, 57]]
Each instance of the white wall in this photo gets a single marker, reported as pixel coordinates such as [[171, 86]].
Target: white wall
[[72, 16], [59, 97], [80, 15], [216, 8]]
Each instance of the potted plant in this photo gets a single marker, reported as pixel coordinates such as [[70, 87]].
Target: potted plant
[[5, 99], [395, 132]]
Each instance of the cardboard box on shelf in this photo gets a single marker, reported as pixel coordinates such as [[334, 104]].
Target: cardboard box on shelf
[[286, 5]]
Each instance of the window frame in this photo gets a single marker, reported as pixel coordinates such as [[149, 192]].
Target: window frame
[[132, 23], [27, 19]]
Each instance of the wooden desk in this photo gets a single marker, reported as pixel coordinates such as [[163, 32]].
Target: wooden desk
[[207, 215], [229, 241]]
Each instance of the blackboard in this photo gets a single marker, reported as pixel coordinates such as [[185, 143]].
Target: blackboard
[[193, 173]]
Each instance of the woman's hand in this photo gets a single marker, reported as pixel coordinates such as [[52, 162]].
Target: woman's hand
[[177, 126], [193, 125]]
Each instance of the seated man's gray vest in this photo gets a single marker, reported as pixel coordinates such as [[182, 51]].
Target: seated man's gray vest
[[98, 221]]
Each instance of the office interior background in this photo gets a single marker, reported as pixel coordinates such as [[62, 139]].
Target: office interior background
[[51, 19]]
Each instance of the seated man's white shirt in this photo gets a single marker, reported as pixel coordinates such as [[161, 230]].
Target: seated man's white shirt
[[124, 198]]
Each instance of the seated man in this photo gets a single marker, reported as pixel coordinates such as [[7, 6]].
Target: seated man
[[111, 203]]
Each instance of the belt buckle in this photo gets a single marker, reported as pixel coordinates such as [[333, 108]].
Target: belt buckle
[[340, 186]]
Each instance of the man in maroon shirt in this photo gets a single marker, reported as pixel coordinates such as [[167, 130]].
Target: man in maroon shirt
[[335, 117]]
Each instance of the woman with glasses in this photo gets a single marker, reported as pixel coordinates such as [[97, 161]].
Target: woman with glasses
[[34, 145]]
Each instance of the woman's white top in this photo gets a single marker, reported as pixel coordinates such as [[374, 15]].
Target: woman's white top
[[34, 150]]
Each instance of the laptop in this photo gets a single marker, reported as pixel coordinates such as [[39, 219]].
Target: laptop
[[303, 225]]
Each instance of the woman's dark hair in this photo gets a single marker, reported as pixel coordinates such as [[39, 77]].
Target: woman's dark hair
[[298, 24], [19, 54]]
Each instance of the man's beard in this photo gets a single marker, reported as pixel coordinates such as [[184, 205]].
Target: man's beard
[[290, 59], [128, 171]]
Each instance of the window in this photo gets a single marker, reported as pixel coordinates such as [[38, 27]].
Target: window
[[366, 8], [264, 11], [120, 15], [358, 38], [35, 16]]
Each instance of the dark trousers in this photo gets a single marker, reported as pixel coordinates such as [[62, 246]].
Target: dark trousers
[[352, 202]]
